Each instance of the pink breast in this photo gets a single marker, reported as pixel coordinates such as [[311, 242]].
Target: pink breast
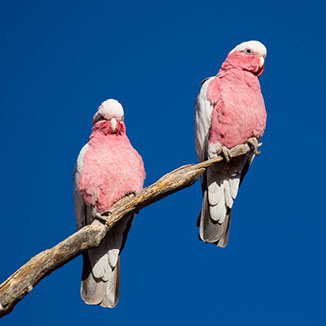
[[238, 110], [111, 168]]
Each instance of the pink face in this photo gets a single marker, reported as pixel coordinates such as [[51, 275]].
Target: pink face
[[112, 126], [247, 60]]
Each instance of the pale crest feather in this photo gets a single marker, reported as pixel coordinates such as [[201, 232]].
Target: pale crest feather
[[256, 46], [109, 109]]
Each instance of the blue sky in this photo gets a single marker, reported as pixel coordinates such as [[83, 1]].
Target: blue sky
[[60, 60]]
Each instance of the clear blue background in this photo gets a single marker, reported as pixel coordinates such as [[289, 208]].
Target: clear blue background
[[60, 59]]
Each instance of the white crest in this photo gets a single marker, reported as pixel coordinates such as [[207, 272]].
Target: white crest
[[109, 109], [257, 48]]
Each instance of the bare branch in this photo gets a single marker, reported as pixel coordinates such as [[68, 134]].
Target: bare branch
[[27, 277]]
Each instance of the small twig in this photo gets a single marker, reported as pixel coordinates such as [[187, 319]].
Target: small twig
[[29, 275]]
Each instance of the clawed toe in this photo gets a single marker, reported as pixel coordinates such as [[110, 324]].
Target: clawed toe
[[130, 193], [225, 152], [253, 144]]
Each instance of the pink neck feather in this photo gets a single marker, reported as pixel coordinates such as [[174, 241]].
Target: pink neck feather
[[104, 127], [241, 61]]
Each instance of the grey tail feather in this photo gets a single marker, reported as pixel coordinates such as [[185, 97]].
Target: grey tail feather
[[91, 290], [225, 236], [111, 297], [97, 292], [211, 231]]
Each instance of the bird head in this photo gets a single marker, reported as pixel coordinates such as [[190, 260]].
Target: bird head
[[248, 56], [110, 117]]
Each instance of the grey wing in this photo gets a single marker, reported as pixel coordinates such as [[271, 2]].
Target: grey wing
[[203, 117], [79, 203]]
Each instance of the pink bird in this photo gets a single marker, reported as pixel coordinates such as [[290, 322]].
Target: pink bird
[[107, 169], [229, 111]]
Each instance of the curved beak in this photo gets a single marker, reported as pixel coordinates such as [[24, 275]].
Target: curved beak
[[113, 125], [261, 66]]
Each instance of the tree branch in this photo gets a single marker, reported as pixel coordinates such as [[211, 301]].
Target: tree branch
[[29, 275]]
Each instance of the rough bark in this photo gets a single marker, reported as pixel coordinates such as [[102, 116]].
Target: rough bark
[[27, 277]]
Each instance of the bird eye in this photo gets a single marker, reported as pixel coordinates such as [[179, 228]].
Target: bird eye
[[248, 51]]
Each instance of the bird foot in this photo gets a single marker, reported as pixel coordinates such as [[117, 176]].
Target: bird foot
[[225, 153], [130, 193], [253, 145], [134, 194]]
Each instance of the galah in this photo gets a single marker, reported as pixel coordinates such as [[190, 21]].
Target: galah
[[107, 169], [229, 111]]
